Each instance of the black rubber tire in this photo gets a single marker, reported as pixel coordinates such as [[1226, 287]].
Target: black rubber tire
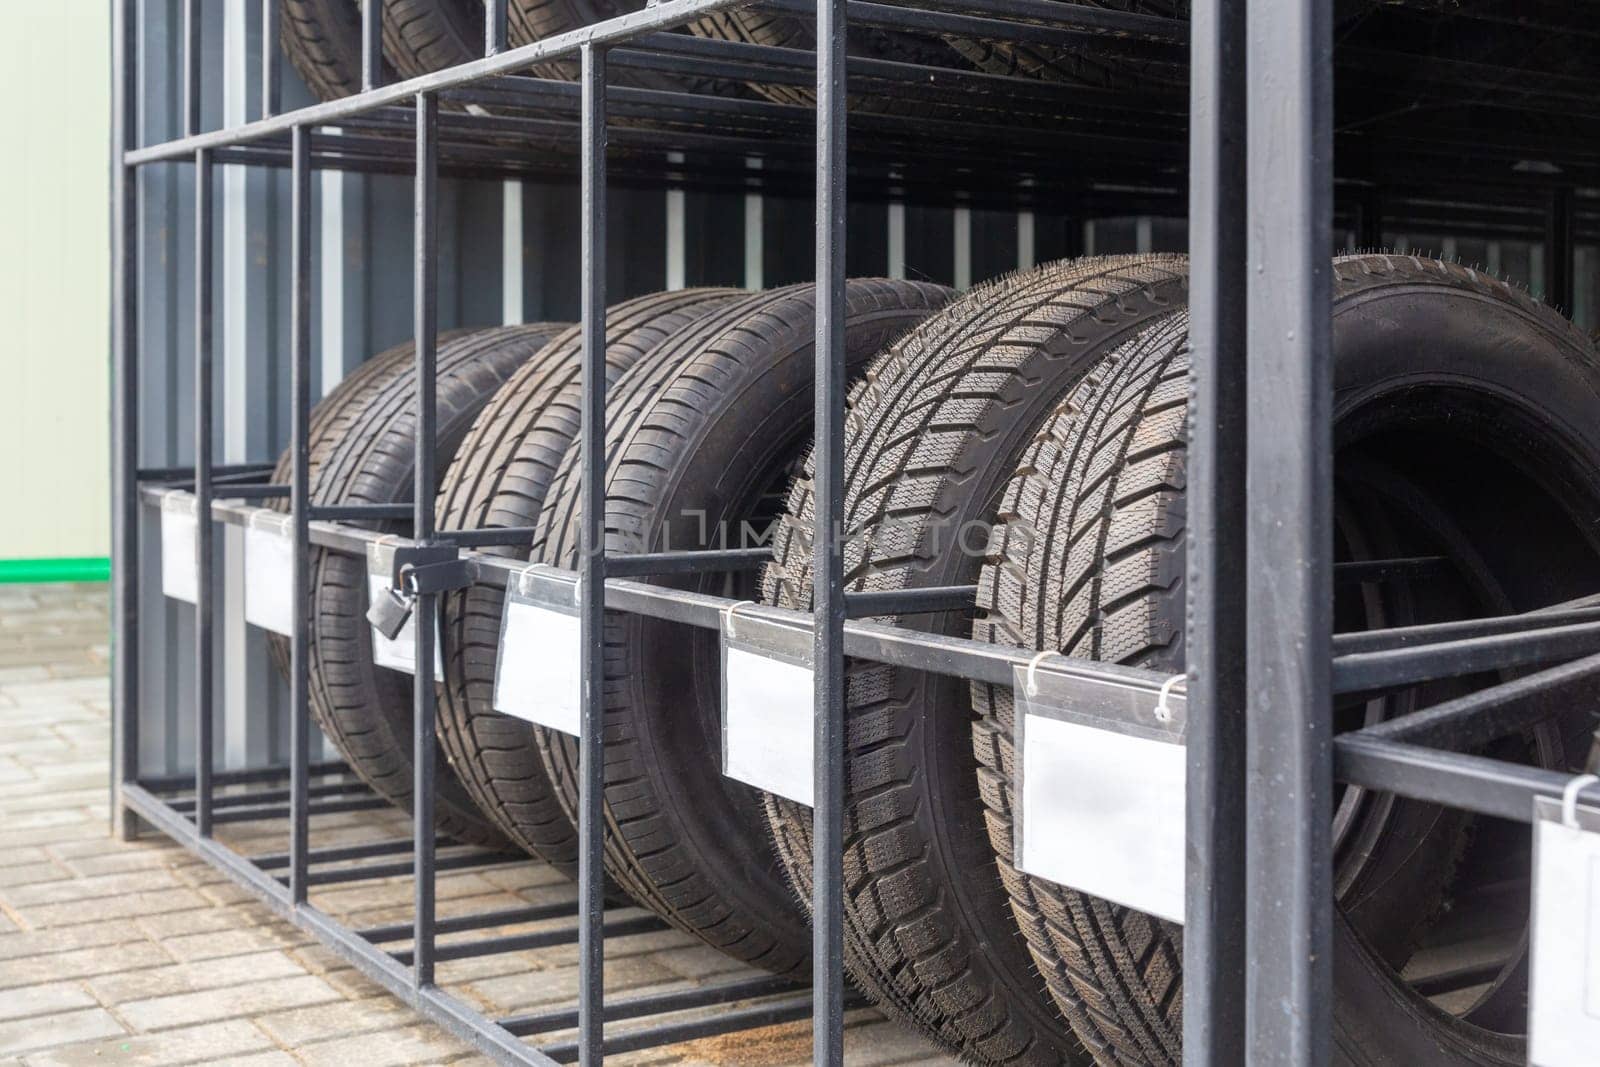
[[1090, 64], [330, 417], [1093, 64], [1417, 343], [322, 38], [535, 20], [749, 25], [362, 453], [712, 422], [930, 440], [422, 36], [499, 478]]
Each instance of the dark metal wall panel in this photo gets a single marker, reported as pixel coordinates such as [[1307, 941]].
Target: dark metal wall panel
[[714, 238], [930, 243]]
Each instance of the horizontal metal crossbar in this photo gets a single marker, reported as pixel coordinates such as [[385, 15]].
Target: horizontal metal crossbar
[[937, 653], [1433, 633], [652, 1004], [1404, 658], [448, 1011], [477, 921], [263, 812], [237, 800], [389, 968], [1382, 570], [274, 860], [1471, 783], [166, 783], [1360, 672], [643, 564], [766, 1013], [360, 512], [566, 935], [661, 16], [864, 604], [1488, 714], [476, 858]]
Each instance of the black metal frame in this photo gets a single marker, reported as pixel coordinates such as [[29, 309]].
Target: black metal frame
[[1260, 682]]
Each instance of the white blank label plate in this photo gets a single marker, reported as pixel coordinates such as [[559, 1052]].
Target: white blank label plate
[[269, 579], [1564, 980], [179, 567], [1102, 787], [768, 730], [1105, 814], [538, 674], [401, 653]]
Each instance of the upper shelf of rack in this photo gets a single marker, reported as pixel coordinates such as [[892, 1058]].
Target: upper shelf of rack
[[1004, 98]]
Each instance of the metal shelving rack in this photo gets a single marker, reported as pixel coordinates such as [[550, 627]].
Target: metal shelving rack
[[1260, 855]]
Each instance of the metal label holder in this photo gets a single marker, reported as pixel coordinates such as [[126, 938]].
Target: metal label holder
[[538, 664], [1101, 777], [180, 568], [1564, 938], [269, 573], [768, 714]]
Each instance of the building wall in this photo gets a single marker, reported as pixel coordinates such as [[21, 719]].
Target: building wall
[[54, 197]]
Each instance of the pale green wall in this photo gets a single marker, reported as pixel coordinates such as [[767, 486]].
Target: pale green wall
[[54, 256]]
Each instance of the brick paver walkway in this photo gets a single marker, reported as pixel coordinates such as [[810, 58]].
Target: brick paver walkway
[[115, 953]]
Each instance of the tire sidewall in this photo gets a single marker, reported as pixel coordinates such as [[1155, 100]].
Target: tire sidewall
[[1388, 341]]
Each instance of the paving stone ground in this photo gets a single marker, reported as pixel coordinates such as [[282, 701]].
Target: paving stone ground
[[137, 953]]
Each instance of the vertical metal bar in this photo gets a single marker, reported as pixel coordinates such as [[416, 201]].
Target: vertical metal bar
[[827, 870], [592, 572], [300, 508], [425, 307], [1560, 250], [1288, 572], [1213, 933], [205, 562], [271, 68], [494, 27], [191, 67], [371, 44], [124, 415]]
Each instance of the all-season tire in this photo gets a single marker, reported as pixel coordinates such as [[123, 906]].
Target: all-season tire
[[535, 20], [1452, 382], [1104, 63], [930, 440], [322, 38], [499, 478], [363, 453], [1092, 63], [705, 431], [754, 26], [330, 420]]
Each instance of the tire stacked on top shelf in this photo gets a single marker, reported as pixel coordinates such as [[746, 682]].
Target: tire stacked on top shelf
[[930, 439], [1091, 63], [363, 446], [701, 436], [322, 38], [1458, 402], [749, 25], [500, 477]]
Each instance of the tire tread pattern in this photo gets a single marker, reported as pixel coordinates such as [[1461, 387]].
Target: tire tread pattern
[[934, 415]]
